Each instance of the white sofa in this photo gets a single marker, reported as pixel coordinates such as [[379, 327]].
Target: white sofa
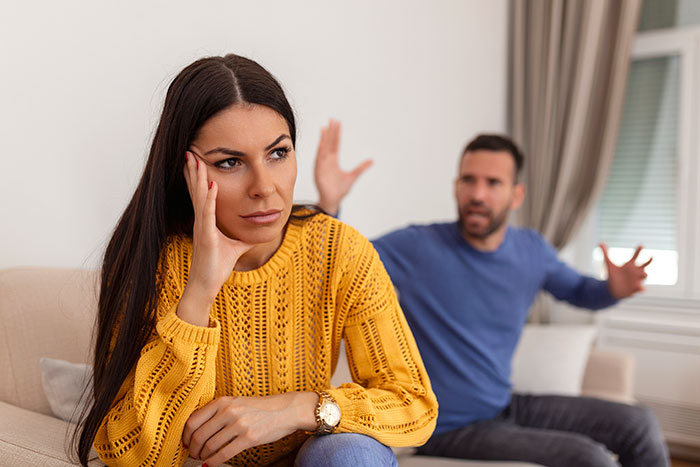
[[49, 313]]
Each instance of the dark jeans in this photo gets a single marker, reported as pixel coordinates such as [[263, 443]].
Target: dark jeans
[[559, 431]]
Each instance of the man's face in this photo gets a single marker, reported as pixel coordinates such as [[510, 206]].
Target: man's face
[[486, 192]]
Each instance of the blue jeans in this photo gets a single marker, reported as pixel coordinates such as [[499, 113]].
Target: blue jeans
[[558, 431], [344, 449]]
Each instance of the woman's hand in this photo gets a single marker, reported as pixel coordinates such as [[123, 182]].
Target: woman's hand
[[214, 254], [332, 182], [228, 425]]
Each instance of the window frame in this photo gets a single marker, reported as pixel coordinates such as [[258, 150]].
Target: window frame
[[685, 294]]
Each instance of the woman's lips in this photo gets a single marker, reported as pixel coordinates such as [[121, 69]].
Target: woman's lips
[[263, 217]]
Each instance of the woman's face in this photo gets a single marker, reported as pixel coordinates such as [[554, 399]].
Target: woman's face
[[248, 153]]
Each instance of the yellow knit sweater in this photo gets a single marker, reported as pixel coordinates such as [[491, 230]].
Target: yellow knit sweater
[[273, 330]]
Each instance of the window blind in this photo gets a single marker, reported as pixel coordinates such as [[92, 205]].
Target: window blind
[[639, 203]]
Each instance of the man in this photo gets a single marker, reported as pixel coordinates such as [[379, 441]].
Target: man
[[465, 288]]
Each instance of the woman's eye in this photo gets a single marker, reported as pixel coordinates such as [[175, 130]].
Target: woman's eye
[[228, 163], [280, 153]]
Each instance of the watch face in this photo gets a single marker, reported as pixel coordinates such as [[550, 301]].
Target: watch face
[[330, 413]]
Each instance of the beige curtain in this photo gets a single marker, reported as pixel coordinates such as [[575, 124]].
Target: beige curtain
[[569, 67], [569, 62]]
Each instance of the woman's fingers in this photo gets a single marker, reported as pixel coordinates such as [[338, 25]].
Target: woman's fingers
[[197, 180], [196, 420], [202, 182], [235, 447], [187, 171], [206, 432], [217, 441], [228, 425], [209, 208], [208, 438], [202, 191]]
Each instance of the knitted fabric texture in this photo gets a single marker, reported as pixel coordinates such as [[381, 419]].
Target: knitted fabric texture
[[273, 330]]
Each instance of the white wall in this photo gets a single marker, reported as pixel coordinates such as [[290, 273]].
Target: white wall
[[82, 83]]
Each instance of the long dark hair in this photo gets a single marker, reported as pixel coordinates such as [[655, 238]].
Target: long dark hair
[[160, 207]]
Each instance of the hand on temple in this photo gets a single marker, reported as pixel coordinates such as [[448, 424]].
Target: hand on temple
[[214, 254], [332, 183], [628, 279]]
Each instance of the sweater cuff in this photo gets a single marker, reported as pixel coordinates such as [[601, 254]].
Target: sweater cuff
[[171, 327], [348, 415], [606, 297]]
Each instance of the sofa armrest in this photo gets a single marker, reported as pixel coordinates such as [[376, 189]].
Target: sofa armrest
[[31, 438], [609, 375]]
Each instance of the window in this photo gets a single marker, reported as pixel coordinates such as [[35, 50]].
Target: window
[[639, 202], [651, 197], [663, 14]]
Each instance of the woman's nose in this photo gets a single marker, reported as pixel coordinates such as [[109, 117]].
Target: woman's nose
[[261, 185]]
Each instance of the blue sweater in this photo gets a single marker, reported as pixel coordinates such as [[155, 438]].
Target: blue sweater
[[467, 308]]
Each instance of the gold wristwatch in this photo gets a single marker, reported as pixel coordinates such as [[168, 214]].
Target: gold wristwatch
[[327, 414]]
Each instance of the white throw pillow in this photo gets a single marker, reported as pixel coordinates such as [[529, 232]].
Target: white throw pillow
[[64, 384], [551, 359]]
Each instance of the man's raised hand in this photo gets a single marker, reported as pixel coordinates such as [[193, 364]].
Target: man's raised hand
[[333, 183], [628, 279]]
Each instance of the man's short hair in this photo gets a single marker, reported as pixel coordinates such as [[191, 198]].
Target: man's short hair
[[497, 143]]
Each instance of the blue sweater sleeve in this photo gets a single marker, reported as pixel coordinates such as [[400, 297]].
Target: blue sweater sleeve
[[397, 252], [564, 283]]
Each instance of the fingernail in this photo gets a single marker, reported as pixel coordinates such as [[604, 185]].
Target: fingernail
[[186, 447], [197, 162], [205, 465], [187, 156], [211, 184]]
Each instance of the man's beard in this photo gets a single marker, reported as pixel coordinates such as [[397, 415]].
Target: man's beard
[[496, 221]]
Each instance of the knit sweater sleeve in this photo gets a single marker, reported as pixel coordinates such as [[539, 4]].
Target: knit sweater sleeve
[[391, 398], [174, 376]]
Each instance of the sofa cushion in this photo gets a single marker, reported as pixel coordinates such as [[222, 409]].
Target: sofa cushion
[[65, 387], [551, 359], [609, 375], [30, 438]]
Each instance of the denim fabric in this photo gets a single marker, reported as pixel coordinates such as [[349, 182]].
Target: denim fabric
[[558, 431], [344, 449]]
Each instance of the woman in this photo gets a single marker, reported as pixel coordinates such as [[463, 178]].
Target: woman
[[222, 305]]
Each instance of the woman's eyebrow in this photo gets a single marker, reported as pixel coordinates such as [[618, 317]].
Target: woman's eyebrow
[[233, 152], [227, 151], [279, 138]]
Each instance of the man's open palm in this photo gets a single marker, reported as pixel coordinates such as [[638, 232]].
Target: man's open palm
[[628, 279], [332, 182]]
